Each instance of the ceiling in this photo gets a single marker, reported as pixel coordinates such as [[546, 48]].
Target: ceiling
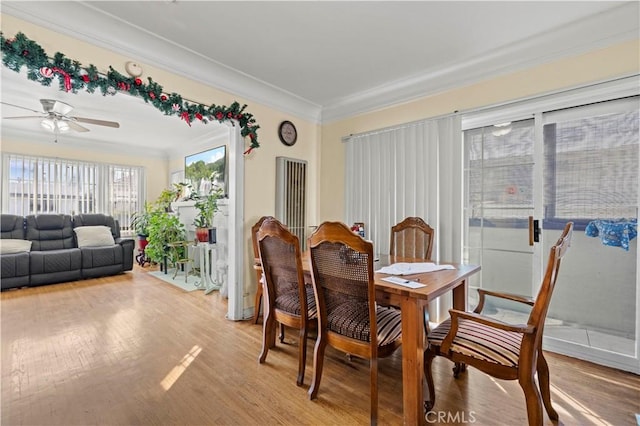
[[135, 134], [317, 60]]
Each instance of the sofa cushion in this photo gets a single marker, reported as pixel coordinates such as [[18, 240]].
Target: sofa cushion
[[50, 232], [94, 236], [11, 226], [94, 219], [14, 270], [93, 257], [10, 246], [52, 261]]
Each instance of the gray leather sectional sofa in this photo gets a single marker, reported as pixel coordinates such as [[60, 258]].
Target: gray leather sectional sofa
[[54, 255]]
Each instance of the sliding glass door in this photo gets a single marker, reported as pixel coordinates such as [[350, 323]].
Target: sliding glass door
[[591, 177], [499, 170], [575, 164]]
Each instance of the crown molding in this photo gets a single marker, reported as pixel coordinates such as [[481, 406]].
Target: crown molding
[[83, 22], [87, 24], [614, 26]]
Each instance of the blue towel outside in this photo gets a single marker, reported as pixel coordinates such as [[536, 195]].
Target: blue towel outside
[[614, 233]]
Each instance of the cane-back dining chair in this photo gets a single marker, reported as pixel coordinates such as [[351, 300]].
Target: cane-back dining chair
[[502, 350], [348, 316], [287, 300], [256, 267], [412, 237]]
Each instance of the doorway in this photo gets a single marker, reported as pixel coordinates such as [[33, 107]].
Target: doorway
[[580, 164]]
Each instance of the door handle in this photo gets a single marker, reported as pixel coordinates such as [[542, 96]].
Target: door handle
[[534, 231]]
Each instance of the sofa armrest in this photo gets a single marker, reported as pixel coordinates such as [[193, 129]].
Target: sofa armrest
[[127, 245]]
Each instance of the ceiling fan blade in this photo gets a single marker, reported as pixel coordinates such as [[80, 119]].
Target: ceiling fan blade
[[75, 126], [96, 122], [23, 117], [21, 107]]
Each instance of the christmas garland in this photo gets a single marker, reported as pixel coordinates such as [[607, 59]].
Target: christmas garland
[[21, 51]]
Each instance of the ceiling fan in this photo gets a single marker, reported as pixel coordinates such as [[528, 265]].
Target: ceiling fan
[[56, 119]]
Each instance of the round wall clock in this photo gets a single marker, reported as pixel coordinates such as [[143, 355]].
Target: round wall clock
[[287, 133]]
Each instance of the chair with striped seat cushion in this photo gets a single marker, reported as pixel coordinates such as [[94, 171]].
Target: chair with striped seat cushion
[[287, 299], [256, 254], [348, 317], [480, 341], [353, 321], [290, 302], [502, 350]]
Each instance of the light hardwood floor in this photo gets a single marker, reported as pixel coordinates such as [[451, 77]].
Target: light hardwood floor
[[133, 350]]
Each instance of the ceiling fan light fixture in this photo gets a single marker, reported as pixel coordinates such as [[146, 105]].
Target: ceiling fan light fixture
[[48, 124], [55, 125], [63, 126]]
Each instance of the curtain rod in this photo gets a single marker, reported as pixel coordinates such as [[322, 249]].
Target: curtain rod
[[400, 126]]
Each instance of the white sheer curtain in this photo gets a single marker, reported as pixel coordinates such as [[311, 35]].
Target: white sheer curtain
[[413, 169]]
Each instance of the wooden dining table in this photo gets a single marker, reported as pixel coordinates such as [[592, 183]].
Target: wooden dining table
[[412, 303]]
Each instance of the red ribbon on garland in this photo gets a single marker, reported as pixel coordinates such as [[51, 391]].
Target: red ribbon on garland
[[67, 77], [185, 116]]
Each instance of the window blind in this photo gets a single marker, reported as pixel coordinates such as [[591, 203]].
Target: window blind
[[592, 152], [36, 185]]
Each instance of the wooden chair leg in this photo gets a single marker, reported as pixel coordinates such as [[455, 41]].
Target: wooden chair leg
[[534, 403], [267, 332], [458, 368], [302, 355], [426, 320], [281, 334], [258, 302], [318, 361], [428, 375], [543, 380], [373, 370], [272, 333]]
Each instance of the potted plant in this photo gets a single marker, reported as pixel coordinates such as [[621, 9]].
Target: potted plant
[[164, 228], [166, 197], [140, 220], [184, 191], [206, 206], [140, 224]]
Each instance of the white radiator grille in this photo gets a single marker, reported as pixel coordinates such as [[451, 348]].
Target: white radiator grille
[[291, 195]]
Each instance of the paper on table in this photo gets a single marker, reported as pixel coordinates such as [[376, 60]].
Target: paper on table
[[412, 268], [403, 282]]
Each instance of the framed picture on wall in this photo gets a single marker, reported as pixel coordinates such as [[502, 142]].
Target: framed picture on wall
[[206, 170]]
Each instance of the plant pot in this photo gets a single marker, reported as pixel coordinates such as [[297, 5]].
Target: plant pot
[[142, 241], [202, 234]]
